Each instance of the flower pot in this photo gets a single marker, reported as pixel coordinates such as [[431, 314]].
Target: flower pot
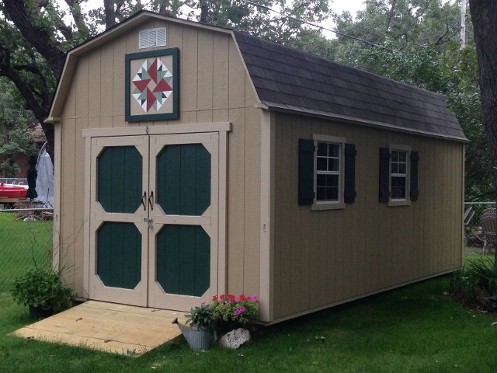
[[198, 337], [224, 327], [39, 313]]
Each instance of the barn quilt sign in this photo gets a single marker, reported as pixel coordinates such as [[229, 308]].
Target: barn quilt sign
[[152, 85]]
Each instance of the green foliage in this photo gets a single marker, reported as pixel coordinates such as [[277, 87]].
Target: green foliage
[[475, 282], [42, 288], [419, 45], [14, 129], [201, 315]]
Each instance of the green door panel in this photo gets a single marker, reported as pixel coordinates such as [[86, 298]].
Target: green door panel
[[119, 179], [184, 179], [118, 254], [183, 260]]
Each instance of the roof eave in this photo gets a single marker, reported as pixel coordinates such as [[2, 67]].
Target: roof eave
[[360, 121]]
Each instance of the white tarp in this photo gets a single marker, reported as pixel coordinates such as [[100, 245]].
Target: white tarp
[[44, 181]]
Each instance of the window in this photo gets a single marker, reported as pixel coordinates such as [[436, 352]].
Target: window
[[398, 175], [326, 172]]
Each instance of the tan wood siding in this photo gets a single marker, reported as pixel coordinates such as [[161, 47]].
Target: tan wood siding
[[326, 257], [213, 87]]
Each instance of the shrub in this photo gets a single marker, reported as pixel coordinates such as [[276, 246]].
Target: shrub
[[476, 282], [42, 288]]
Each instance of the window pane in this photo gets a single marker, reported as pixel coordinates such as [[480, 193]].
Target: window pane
[[322, 149], [402, 156], [395, 168], [332, 180], [398, 188], [334, 164], [321, 194], [322, 164], [321, 181], [395, 156], [402, 168], [334, 150], [327, 187]]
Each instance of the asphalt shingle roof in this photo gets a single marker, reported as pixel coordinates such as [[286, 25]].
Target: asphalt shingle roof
[[291, 80]]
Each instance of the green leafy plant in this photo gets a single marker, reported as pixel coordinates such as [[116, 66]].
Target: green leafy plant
[[476, 282], [43, 289], [228, 307], [201, 316]]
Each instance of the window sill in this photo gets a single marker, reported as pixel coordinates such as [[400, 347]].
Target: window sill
[[399, 202], [327, 206]]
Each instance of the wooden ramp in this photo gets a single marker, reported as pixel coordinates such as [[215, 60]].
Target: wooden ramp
[[108, 327]]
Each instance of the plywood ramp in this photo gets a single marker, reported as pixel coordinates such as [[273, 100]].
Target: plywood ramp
[[108, 327]]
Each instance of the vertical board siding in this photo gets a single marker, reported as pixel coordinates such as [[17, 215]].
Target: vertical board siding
[[213, 87], [184, 179], [183, 257], [326, 257], [119, 254]]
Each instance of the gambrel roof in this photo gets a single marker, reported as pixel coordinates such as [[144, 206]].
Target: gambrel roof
[[290, 80]]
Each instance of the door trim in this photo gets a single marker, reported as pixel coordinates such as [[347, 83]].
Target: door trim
[[222, 128]]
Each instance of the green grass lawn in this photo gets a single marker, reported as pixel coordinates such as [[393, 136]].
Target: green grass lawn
[[413, 329]]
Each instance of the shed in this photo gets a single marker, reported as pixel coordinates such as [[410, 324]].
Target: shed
[[192, 160]]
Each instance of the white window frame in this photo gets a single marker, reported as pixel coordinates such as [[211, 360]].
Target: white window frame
[[329, 205], [406, 200]]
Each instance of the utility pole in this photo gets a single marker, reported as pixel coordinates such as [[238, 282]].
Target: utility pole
[[462, 38]]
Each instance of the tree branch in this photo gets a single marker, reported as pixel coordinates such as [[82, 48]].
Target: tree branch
[[37, 36]]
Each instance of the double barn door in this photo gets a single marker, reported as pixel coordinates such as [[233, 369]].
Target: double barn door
[[154, 219]]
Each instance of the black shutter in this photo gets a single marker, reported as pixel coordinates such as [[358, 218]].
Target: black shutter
[[384, 174], [414, 190], [306, 172], [349, 193]]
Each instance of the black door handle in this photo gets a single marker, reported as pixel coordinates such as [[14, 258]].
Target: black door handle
[[144, 198], [151, 200]]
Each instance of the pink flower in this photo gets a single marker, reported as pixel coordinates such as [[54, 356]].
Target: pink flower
[[239, 311]]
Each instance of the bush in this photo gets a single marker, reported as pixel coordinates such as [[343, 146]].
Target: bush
[[476, 283], [42, 288]]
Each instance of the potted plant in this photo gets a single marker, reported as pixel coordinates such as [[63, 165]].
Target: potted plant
[[198, 334], [233, 312], [42, 291]]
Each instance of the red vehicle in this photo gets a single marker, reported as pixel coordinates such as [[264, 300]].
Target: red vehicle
[[13, 191]]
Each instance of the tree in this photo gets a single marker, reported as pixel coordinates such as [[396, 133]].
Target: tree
[[483, 16], [36, 34], [14, 130], [417, 42]]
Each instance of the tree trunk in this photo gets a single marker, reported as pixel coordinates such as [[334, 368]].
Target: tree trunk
[[484, 16]]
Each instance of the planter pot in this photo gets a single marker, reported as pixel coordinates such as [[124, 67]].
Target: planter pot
[[224, 327], [39, 313], [199, 338]]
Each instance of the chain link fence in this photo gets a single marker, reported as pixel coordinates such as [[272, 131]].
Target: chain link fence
[[472, 227], [25, 242]]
